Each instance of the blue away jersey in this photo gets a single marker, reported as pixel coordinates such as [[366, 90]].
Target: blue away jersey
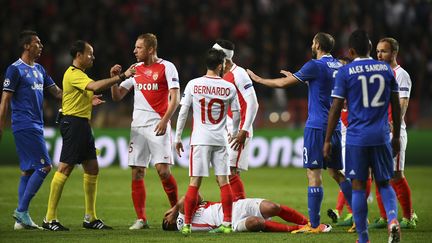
[[366, 84], [320, 77], [27, 83]]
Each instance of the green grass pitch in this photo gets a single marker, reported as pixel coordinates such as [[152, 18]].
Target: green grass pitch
[[283, 185]]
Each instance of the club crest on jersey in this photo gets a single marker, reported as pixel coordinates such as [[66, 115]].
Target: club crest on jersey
[[35, 73], [155, 76], [6, 83]]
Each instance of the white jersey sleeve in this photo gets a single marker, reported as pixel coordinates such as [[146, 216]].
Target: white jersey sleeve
[[128, 83], [186, 99], [404, 81], [171, 75]]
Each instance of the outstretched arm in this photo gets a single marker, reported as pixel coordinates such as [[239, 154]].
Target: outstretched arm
[[283, 82]]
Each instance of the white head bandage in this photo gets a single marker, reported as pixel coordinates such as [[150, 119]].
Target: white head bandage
[[229, 53]]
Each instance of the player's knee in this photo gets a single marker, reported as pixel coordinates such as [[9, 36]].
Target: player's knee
[[254, 224], [164, 173], [138, 173]]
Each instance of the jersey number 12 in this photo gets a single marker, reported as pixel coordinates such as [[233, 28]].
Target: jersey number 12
[[376, 99]]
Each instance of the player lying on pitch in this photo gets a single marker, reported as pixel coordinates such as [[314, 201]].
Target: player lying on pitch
[[251, 214]]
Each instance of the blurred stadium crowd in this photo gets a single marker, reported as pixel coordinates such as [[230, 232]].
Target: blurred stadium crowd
[[270, 35]]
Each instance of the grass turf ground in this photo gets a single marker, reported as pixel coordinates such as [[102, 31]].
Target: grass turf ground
[[114, 206]]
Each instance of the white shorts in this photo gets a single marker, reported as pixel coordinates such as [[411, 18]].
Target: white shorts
[[204, 155], [244, 208], [146, 147], [240, 159], [399, 160]]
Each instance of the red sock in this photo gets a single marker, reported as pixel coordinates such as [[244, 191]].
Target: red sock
[[291, 215], [190, 203], [340, 202], [368, 186], [170, 187], [227, 201], [139, 198], [403, 193], [271, 226], [237, 188], [380, 203]]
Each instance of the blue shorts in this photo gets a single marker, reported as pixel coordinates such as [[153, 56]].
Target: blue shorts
[[358, 160], [313, 150], [31, 149]]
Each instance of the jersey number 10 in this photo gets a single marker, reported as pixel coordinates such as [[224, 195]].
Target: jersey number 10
[[376, 99], [209, 110]]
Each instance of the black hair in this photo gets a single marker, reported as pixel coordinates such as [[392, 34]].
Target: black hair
[[226, 44], [360, 42], [168, 227], [77, 46], [214, 58], [25, 38], [326, 41]]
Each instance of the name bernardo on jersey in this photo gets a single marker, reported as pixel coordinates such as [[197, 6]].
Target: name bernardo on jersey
[[211, 90], [368, 68]]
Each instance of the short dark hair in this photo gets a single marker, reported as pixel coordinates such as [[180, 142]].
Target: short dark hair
[[77, 46], [360, 42], [214, 58], [394, 45], [226, 44], [25, 38], [168, 227], [326, 41]]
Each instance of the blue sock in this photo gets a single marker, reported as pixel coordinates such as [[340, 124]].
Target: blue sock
[[34, 183], [315, 197], [360, 211], [346, 188], [389, 200], [22, 186]]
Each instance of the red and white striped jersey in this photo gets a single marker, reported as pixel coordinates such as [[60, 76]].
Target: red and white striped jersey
[[244, 86], [208, 215], [210, 98], [151, 85]]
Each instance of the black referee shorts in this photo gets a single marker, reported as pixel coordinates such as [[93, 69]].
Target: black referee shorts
[[78, 140]]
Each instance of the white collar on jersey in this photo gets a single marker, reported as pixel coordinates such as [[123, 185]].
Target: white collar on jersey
[[362, 58]]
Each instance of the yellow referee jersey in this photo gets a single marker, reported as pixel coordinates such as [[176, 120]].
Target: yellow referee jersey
[[77, 101]]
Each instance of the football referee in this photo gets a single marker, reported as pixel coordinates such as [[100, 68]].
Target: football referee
[[78, 141]]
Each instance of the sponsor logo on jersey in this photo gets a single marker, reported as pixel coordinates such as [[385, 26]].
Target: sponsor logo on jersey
[[247, 86], [147, 86], [212, 90], [6, 83], [37, 86]]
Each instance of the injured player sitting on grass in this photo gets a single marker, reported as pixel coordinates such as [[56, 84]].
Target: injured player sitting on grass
[[251, 214]]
